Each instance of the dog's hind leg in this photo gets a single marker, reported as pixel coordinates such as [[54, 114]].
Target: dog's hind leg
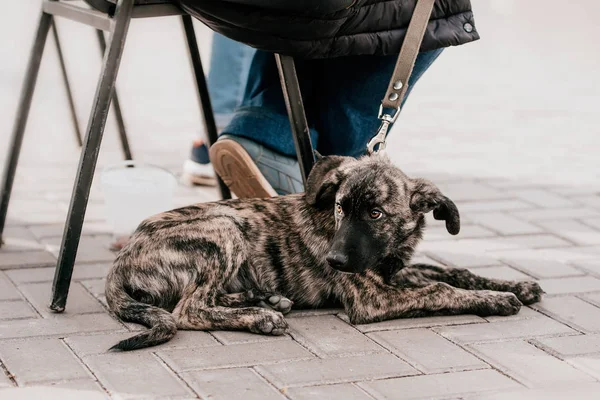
[[527, 292], [194, 313]]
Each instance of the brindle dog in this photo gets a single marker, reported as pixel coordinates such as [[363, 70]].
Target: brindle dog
[[241, 264]]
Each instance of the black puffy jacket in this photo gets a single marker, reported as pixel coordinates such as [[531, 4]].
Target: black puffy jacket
[[332, 28]]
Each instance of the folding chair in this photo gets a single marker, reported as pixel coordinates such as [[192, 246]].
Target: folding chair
[[105, 15]]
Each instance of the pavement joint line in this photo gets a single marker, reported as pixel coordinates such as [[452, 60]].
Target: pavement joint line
[[175, 373]]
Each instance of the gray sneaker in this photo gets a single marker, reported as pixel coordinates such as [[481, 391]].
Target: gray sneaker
[[252, 170]]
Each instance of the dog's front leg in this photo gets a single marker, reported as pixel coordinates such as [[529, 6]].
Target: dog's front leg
[[527, 292], [368, 299]]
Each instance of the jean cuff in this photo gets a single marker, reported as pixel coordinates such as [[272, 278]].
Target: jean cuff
[[270, 129]]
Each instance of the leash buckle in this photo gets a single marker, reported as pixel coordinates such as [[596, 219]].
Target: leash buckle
[[377, 142]]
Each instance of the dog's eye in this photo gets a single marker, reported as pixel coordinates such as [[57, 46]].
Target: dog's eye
[[375, 214], [338, 208]]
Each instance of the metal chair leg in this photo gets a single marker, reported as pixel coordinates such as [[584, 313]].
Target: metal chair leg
[[204, 97], [14, 148], [89, 156], [63, 69], [295, 109], [116, 107]]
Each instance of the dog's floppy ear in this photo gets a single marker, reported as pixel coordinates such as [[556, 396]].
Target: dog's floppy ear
[[426, 197], [324, 179]]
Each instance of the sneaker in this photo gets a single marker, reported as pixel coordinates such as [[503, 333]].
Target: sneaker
[[251, 170], [197, 170]]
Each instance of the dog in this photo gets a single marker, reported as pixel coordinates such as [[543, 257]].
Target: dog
[[346, 242]]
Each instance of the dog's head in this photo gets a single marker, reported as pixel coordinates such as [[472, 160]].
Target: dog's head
[[379, 211]]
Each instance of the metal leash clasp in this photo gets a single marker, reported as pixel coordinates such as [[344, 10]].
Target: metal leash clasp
[[377, 142]]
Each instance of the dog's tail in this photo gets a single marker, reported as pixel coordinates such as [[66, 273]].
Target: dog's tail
[[161, 322]]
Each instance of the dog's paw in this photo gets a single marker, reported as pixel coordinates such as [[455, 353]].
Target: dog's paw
[[497, 303], [270, 323], [277, 302], [528, 292]]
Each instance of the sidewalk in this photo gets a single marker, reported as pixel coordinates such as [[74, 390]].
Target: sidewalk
[[507, 127]]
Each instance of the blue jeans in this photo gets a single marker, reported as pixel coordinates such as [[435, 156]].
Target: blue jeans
[[229, 67], [341, 97]]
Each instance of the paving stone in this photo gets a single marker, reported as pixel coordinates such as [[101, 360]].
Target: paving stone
[[570, 285], [498, 205], [581, 391], [566, 346], [20, 259], [344, 391], [79, 302], [593, 222], [237, 337], [539, 241], [524, 313], [80, 271], [8, 291], [589, 364], [329, 336], [542, 268], [592, 266], [462, 260], [573, 312], [543, 198], [58, 325], [35, 361], [90, 345], [573, 230], [501, 272], [91, 249], [466, 232], [335, 370], [506, 224], [19, 238], [440, 385], [136, 375], [217, 384], [591, 201], [504, 330], [528, 364], [427, 351], [4, 381], [50, 392], [425, 322], [235, 355], [15, 310], [593, 298], [461, 191], [556, 213], [95, 287]]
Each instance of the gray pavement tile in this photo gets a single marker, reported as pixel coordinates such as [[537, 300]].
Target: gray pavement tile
[[504, 330], [234, 355], [335, 370], [572, 311], [344, 391], [427, 351], [136, 375], [35, 361], [451, 385], [235, 383], [16, 309], [329, 336], [528, 364]]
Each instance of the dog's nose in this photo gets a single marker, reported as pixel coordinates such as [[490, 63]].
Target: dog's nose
[[337, 260]]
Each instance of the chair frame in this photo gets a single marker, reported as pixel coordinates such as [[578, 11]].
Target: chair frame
[[118, 25]]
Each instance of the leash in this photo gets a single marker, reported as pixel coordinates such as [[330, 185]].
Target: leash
[[391, 103]]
